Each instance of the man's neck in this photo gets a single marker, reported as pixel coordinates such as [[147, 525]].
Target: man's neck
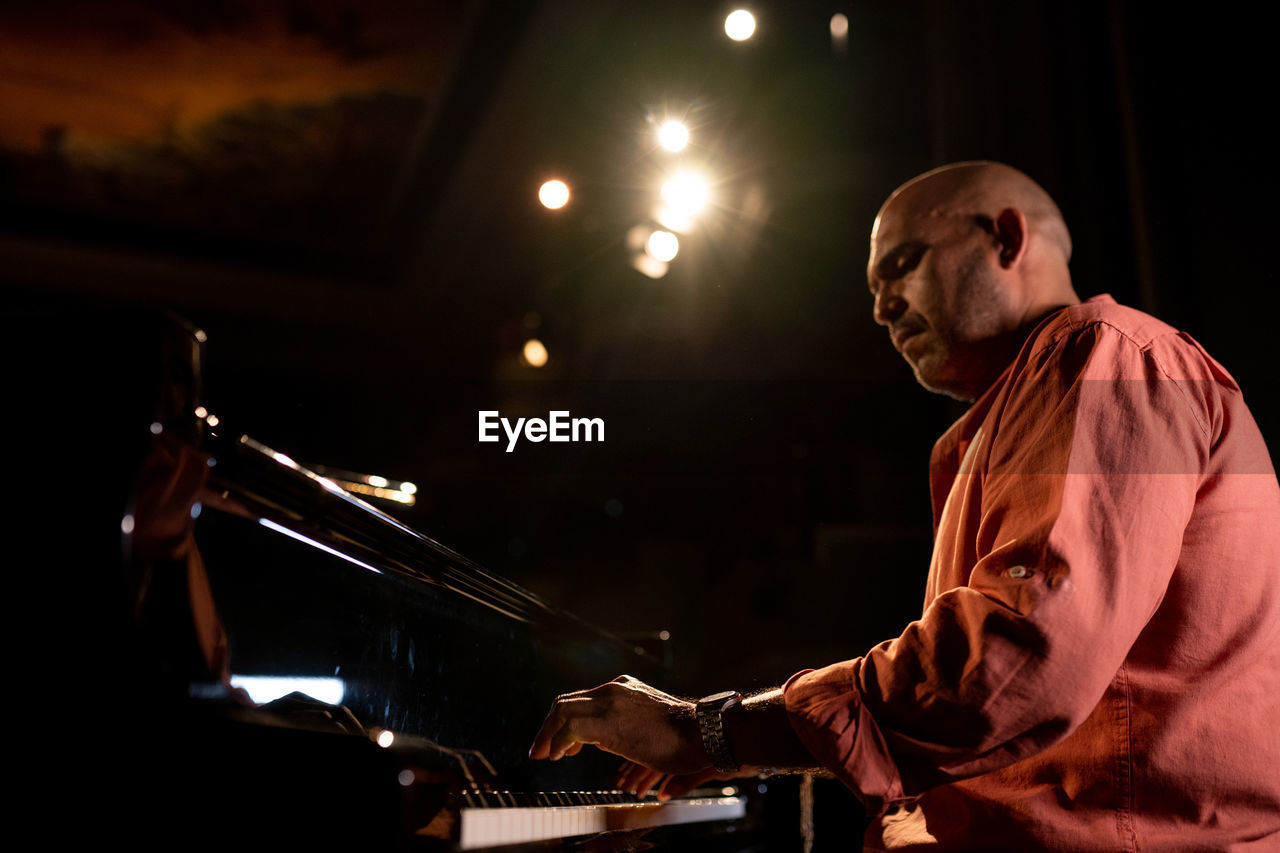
[[1000, 351]]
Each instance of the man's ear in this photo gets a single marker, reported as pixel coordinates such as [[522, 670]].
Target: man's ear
[[1011, 232]]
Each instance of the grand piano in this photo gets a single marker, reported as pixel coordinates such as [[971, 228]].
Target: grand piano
[[414, 679]]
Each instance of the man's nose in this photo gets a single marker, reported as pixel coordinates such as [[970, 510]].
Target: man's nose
[[889, 305]]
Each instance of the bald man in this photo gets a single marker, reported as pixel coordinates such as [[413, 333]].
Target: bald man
[[1097, 666]]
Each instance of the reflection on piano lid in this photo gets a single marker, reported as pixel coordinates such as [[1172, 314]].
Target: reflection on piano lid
[[263, 483], [370, 486]]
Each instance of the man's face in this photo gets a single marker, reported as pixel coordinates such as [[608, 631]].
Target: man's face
[[938, 288]]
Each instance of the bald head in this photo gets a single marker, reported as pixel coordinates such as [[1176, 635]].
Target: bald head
[[976, 187], [965, 259]]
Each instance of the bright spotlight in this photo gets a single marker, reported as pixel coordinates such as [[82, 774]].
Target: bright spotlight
[[686, 194], [554, 194], [740, 25], [663, 245], [673, 136], [535, 354]]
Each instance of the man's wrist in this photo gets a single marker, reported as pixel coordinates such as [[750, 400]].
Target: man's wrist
[[711, 712]]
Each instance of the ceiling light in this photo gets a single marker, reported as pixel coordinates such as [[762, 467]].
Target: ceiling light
[[554, 194], [662, 245], [740, 25], [686, 194], [673, 136]]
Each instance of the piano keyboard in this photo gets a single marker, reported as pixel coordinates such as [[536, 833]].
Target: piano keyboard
[[495, 818]]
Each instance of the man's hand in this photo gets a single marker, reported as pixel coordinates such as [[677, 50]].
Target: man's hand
[[628, 718]]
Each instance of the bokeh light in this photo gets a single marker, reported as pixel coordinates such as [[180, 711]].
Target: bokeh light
[[673, 136], [686, 194], [554, 194], [534, 353], [740, 25], [663, 245]]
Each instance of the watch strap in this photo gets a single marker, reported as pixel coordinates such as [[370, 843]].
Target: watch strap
[[710, 712]]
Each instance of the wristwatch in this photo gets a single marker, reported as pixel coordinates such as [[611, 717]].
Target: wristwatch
[[710, 712]]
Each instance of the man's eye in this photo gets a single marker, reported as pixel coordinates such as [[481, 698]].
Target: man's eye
[[901, 262], [908, 261]]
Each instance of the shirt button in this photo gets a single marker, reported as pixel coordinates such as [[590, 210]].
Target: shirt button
[[1018, 572]]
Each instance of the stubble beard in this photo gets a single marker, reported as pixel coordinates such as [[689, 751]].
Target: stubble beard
[[956, 359]]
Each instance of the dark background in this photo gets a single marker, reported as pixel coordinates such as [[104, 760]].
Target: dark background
[[343, 196]]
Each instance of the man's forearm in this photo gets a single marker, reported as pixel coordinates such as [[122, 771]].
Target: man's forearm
[[760, 735]]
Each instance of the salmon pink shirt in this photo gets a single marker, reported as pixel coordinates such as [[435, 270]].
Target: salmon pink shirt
[[1097, 666]]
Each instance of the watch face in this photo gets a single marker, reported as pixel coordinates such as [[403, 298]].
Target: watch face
[[723, 696]]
